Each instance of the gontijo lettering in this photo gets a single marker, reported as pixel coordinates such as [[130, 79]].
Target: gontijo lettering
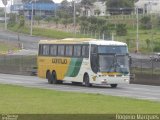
[[59, 61]]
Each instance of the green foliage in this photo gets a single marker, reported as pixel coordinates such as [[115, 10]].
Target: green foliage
[[148, 43], [64, 4], [84, 25], [48, 19], [63, 14], [67, 21], [156, 46], [101, 22], [56, 20], [12, 20], [47, 32], [146, 22], [92, 27], [121, 30], [65, 10], [38, 18], [21, 21], [5, 47], [128, 41]]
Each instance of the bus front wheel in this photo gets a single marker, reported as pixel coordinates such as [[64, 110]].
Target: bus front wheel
[[86, 80], [113, 85]]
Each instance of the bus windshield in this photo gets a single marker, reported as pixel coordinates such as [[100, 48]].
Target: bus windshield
[[110, 59], [114, 63]]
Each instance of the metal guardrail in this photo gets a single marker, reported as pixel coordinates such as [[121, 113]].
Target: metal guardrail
[[18, 64]]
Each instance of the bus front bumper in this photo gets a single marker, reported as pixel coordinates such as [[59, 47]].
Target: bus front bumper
[[113, 80]]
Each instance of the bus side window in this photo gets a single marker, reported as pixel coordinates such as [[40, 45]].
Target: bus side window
[[45, 50], [85, 51], [53, 50], [61, 49], [69, 50], [40, 50], [77, 51]]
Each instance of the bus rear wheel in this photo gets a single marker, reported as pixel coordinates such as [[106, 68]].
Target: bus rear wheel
[[86, 80], [54, 78], [113, 85], [48, 76]]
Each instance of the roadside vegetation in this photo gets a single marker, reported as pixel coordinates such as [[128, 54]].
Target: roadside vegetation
[[119, 27], [119, 24], [23, 100], [51, 33], [7, 47]]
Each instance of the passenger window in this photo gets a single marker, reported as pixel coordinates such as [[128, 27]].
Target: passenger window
[[69, 50], [77, 51], [45, 50], [85, 51], [61, 50], [53, 50]]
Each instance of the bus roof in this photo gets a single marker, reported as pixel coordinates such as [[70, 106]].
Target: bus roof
[[82, 41]]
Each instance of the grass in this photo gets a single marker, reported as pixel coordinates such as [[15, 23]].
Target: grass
[[143, 35], [47, 32], [23, 100], [6, 47]]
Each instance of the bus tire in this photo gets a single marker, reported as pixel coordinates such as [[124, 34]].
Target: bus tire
[[86, 80], [48, 76], [113, 85], [54, 78]]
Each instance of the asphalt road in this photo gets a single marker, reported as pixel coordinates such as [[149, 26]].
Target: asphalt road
[[29, 42], [132, 91]]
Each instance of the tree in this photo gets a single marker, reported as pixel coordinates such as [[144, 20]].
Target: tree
[[38, 18], [12, 19], [146, 22], [21, 21], [64, 4], [120, 6], [148, 43], [84, 25], [48, 19], [121, 30], [56, 20]]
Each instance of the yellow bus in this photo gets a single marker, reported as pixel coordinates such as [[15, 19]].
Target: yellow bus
[[84, 60]]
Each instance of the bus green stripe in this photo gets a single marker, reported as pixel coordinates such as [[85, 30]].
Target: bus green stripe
[[74, 67]]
